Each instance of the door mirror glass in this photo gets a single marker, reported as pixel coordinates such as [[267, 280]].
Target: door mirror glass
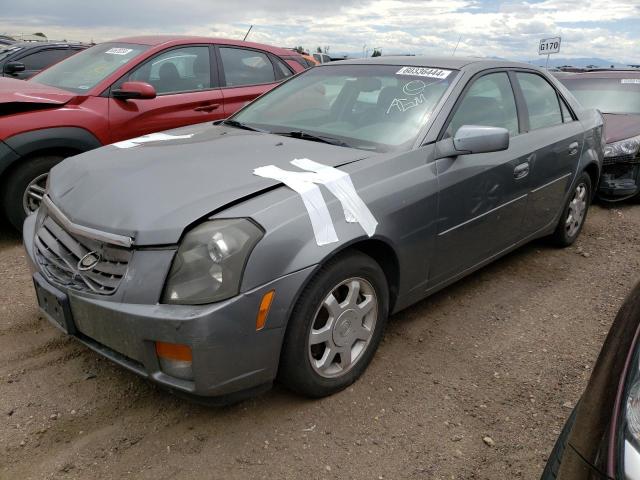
[[134, 90], [474, 139], [14, 67]]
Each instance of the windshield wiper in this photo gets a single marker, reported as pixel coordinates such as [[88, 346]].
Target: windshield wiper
[[237, 124], [314, 138]]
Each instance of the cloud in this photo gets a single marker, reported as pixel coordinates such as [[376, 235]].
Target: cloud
[[508, 29]]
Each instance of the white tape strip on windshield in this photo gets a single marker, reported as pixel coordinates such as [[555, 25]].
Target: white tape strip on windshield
[[152, 137], [424, 72], [339, 183], [311, 195]]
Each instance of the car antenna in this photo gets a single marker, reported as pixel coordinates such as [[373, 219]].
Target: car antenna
[[247, 34], [454, 50]]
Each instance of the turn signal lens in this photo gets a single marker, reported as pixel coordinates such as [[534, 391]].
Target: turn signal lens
[[265, 305], [174, 351]]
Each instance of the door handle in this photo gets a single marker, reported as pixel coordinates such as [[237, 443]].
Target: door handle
[[207, 108], [521, 171], [573, 148]]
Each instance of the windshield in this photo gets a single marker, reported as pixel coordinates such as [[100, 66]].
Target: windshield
[[609, 95], [84, 70], [372, 107], [6, 50]]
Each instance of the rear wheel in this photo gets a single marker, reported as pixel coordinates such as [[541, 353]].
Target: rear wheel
[[574, 214], [24, 188], [335, 327]]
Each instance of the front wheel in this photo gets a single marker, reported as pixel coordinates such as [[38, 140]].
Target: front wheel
[[335, 327], [574, 214], [25, 186]]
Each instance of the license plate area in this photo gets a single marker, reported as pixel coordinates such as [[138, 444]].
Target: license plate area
[[54, 304]]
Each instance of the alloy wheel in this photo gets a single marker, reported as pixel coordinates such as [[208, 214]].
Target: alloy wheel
[[32, 197], [577, 210], [343, 327]]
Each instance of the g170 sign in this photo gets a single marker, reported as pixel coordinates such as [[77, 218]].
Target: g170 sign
[[549, 45]]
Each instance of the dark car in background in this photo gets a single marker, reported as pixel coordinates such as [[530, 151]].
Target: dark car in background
[[23, 60], [123, 89], [185, 258], [601, 439], [616, 93]]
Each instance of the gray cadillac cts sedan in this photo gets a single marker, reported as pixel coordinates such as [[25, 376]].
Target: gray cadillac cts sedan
[[214, 259]]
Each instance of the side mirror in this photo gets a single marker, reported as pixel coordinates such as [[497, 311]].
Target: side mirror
[[14, 67], [134, 90], [474, 139]]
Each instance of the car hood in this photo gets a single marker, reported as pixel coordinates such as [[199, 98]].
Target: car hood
[[620, 126], [154, 190], [21, 91]]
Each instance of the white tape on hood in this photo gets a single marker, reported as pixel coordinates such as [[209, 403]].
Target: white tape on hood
[[339, 183], [152, 137], [311, 195]]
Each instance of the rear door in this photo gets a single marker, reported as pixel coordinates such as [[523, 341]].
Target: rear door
[[246, 74], [482, 196], [555, 141], [186, 83]]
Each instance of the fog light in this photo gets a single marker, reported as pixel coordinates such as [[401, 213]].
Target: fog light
[[175, 360]]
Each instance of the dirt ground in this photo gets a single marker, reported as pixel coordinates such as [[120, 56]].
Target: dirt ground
[[504, 353]]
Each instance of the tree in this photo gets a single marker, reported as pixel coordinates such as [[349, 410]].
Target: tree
[[319, 49], [300, 50], [39, 34], [376, 52]]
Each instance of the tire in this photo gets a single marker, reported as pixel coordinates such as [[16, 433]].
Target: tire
[[577, 205], [552, 467], [301, 362], [17, 182]]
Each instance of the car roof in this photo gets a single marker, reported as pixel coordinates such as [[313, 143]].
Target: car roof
[[455, 63], [44, 44], [170, 40]]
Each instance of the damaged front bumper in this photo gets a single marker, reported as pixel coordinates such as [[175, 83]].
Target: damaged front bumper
[[230, 358], [620, 178]]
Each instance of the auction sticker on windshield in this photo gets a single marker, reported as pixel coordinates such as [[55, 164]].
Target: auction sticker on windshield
[[424, 72], [119, 51], [631, 80]]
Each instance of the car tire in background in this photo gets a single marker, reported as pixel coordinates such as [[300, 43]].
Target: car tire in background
[[574, 213], [24, 185], [342, 311], [555, 457]]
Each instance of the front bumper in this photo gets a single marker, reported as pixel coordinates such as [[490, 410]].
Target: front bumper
[[620, 178], [229, 355]]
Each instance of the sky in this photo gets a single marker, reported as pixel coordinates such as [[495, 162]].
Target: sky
[[510, 29]]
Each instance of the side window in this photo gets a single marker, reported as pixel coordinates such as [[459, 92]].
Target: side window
[[246, 67], [566, 113], [281, 69], [541, 99], [489, 102], [44, 58], [179, 70]]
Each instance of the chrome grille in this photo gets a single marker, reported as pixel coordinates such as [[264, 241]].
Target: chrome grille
[[59, 254]]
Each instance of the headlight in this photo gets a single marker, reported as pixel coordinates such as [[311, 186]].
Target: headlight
[[630, 146], [210, 260]]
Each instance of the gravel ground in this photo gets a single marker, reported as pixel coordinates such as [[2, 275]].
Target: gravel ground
[[504, 354]]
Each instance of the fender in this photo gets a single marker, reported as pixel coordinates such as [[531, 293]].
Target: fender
[[24, 144]]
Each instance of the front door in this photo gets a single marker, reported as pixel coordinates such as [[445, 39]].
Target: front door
[[482, 196], [187, 93]]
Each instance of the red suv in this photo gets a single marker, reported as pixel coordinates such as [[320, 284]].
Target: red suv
[[119, 90]]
